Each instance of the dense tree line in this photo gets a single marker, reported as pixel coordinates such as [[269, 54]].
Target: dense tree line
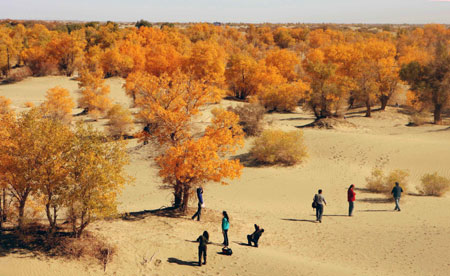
[[172, 73]]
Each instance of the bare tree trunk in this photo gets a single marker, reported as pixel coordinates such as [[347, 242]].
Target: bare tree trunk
[[51, 218], [384, 100], [178, 194], [1, 215], [21, 212], [185, 198], [368, 111], [437, 114], [4, 216], [9, 66], [84, 223]]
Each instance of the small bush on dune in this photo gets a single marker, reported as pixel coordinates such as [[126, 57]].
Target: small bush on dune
[[17, 74], [434, 185], [400, 176], [87, 245], [250, 118], [418, 119], [377, 182], [279, 147]]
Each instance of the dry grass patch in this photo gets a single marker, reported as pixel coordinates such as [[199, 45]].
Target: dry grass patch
[[434, 185], [378, 182], [418, 119], [36, 238], [250, 118]]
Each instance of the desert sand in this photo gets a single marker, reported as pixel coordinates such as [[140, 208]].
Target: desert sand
[[375, 241]]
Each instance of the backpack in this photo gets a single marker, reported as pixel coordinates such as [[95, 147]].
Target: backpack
[[314, 204], [227, 251]]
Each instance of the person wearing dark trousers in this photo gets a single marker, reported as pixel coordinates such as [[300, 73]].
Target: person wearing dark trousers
[[202, 243], [254, 237], [200, 203], [320, 200], [351, 199], [397, 193], [225, 227]]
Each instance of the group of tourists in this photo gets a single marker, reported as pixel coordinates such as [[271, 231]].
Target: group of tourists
[[319, 200], [203, 239], [252, 239]]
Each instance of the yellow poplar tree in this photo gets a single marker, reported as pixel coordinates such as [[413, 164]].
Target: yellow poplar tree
[[199, 160], [58, 104], [94, 93], [96, 177]]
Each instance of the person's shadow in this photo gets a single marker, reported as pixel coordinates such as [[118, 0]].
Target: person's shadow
[[181, 262], [300, 220], [242, 243]]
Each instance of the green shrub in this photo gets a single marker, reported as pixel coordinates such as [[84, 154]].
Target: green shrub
[[279, 147], [434, 185]]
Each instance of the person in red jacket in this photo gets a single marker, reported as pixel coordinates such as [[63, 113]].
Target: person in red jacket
[[351, 199]]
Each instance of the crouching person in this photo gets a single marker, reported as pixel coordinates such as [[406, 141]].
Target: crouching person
[[254, 237], [202, 242]]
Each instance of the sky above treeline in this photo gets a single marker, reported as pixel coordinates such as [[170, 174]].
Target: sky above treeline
[[247, 11]]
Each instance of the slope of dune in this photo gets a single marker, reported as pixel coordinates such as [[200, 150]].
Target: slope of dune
[[375, 241]]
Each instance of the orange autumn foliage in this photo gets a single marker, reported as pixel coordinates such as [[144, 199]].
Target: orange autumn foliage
[[207, 61], [283, 97], [58, 104], [199, 160], [94, 93], [285, 61], [168, 102]]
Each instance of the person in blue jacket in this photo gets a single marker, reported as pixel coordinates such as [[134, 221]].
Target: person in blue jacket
[[200, 203], [397, 193], [225, 227]]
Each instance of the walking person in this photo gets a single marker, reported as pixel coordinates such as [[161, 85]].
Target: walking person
[[397, 193], [202, 243], [200, 203], [351, 199], [225, 227], [320, 201]]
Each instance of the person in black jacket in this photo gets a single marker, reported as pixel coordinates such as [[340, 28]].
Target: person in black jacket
[[254, 237], [202, 243], [200, 203], [397, 193]]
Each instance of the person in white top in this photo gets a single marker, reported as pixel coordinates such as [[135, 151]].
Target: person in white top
[[319, 200]]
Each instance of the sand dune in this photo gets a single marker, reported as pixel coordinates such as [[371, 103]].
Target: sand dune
[[375, 241]]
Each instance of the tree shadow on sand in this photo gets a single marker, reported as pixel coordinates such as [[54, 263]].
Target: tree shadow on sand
[[170, 212], [242, 243], [299, 220], [181, 262], [376, 200], [247, 161], [390, 210], [35, 240]]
